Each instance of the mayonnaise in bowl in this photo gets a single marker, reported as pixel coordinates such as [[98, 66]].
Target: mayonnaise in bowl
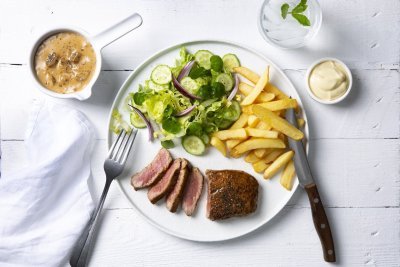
[[328, 81]]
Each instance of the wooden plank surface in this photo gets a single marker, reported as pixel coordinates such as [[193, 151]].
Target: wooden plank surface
[[359, 32], [354, 146]]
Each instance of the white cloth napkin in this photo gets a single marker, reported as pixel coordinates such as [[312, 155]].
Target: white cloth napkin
[[45, 205]]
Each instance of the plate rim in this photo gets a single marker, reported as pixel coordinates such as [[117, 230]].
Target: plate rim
[[128, 81]]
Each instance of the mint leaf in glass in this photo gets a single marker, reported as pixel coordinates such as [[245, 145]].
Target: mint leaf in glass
[[303, 20], [284, 10]]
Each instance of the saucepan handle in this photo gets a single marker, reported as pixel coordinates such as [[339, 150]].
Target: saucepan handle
[[118, 30], [321, 223]]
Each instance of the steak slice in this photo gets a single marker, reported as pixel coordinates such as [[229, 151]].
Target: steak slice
[[166, 184], [153, 172], [175, 197], [230, 193], [192, 192]]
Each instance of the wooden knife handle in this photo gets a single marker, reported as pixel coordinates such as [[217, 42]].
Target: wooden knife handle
[[321, 223]]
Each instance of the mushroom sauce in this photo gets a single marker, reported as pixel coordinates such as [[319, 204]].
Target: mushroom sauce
[[65, 62]]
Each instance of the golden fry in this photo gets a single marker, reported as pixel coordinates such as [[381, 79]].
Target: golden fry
[[253, 121], [218, 144], [261, 152], [262, 82], [254, 78], [278, 123], [246, 89], [273, 155], [254, 132], [232, 143], [264, 97], [241, 122], [260, 166], [255, 143], [270, 88], [251, 157], [288, 175], [301, 122], [231, 134], [263, 126], [278, 164], [247, 73]]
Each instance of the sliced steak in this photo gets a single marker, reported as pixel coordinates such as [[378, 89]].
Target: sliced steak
[[166, 184], [153, 172], [192, 192], [230, 193], [175, 197]]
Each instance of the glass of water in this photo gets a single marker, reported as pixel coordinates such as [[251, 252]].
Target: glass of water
[[288, 33]]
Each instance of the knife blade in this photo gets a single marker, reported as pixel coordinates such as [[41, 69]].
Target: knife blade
[[306, 180]]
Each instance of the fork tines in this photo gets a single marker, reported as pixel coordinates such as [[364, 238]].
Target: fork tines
[[120, 149]]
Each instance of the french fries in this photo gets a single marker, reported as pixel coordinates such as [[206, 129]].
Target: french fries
[[246, 89], [262, 82], [255, 143], [288, 175], [260, 166], [254, 132], [251, 157], [247, 73], [261, 131], [231, 143], [241, 122], [270, 88], [278, 123], [281, 161], [231, 134], [261, 152], [301, 122], [263, 126], [219, 145], [253, 121]]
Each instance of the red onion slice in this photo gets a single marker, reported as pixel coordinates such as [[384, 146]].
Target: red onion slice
[[185, 70], [182, 90], [186, 111], [149, 126], [235, 88]]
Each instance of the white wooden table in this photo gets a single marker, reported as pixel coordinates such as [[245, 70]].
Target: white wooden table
[[354, 145]]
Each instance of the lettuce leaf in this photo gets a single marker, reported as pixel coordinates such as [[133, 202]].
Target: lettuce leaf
[[184, 58]]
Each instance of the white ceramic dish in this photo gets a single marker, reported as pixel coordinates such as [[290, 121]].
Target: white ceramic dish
[[334, 101], [272, 196], [98, 42]]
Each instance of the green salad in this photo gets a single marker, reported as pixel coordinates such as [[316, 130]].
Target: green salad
[[190, 100]]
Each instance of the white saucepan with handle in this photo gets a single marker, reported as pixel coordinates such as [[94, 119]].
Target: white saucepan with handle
[[98, 42]]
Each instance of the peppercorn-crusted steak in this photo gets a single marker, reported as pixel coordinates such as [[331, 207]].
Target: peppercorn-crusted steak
[[230, 193]]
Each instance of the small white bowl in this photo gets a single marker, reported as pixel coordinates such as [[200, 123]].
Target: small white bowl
[[98, 42], [334, 101]]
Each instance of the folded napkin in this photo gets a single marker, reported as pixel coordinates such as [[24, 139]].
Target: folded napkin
[[45, 205]]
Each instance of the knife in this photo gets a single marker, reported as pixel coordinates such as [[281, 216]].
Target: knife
[[307, 182]]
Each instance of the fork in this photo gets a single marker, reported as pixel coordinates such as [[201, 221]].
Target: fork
[[113, 167]]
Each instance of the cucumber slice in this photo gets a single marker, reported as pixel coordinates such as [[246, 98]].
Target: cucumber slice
[[137, 121], [230, 61], [193, 145], [203, 58], [226, 80], [224, 124], [161, 75], [189, 84], [156, 87], [232, 113]]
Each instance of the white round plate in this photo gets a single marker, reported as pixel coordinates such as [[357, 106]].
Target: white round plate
[[272, 196]]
